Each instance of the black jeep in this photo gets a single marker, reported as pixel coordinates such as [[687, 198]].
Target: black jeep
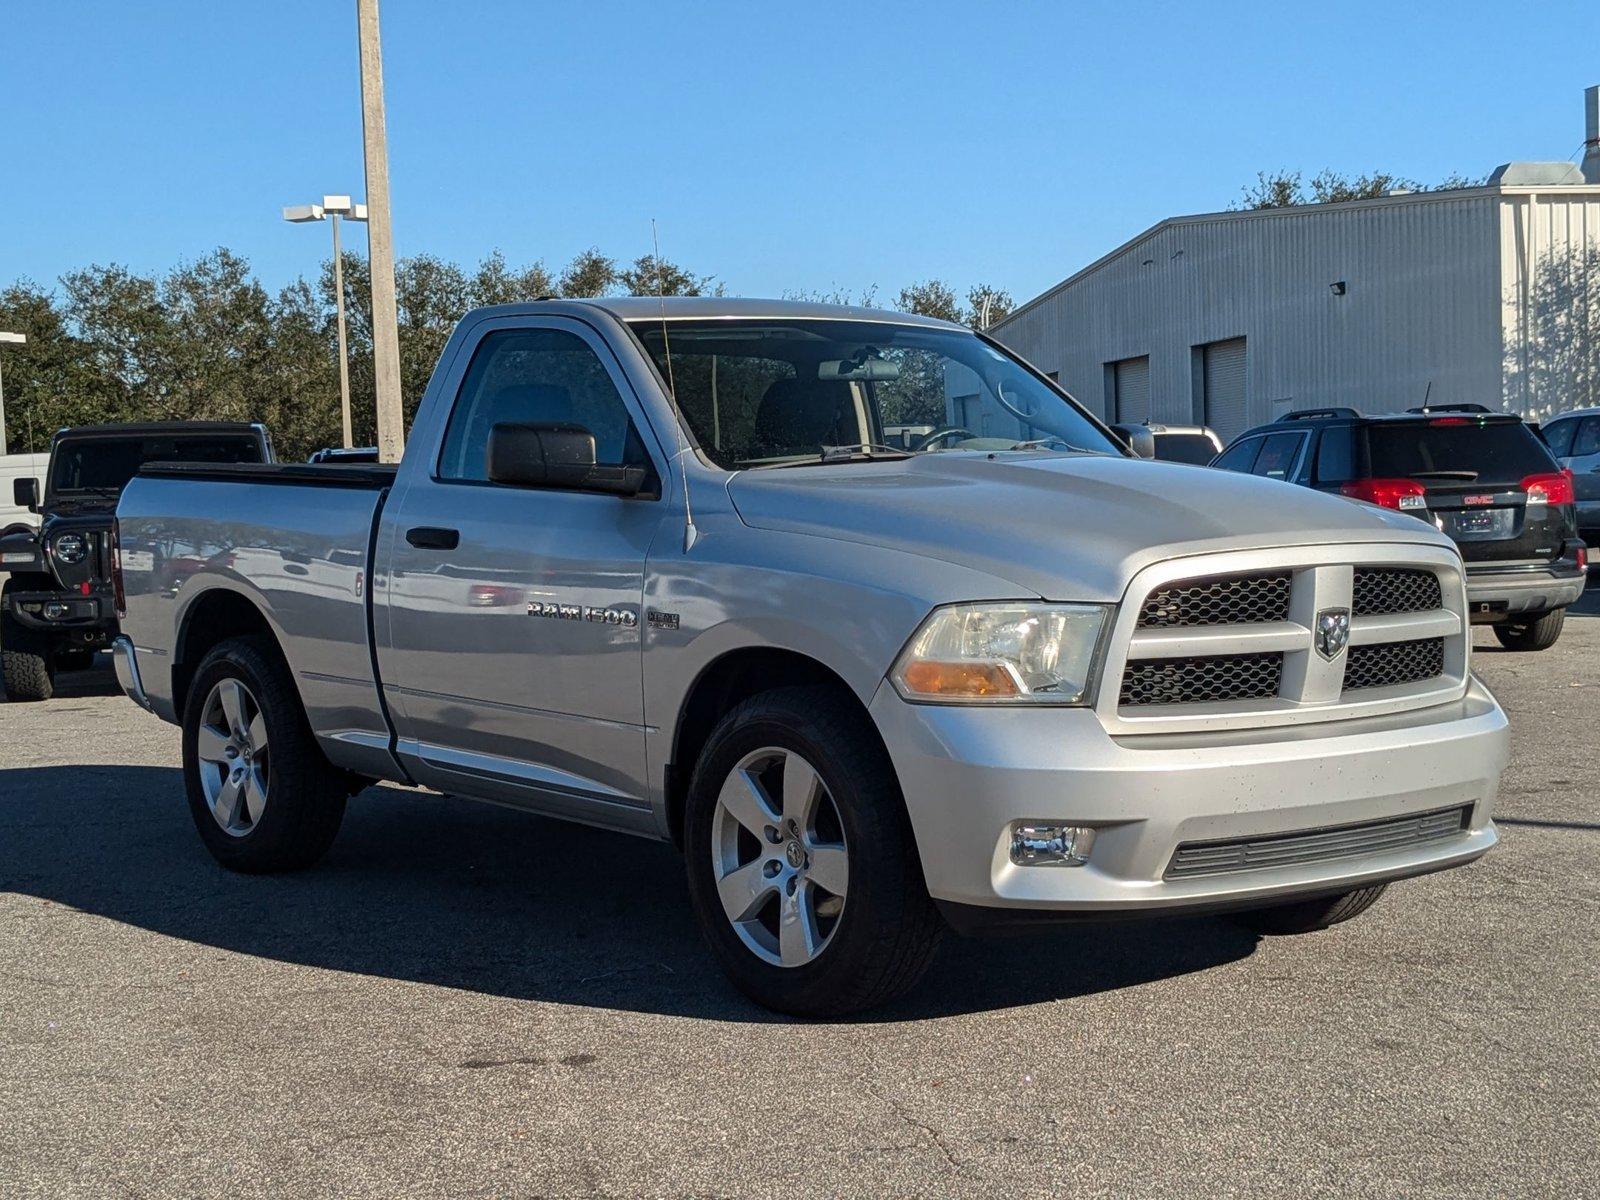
[[57, 606]]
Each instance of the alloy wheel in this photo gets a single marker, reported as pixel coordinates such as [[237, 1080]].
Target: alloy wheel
[[779, 857], [235, 766]]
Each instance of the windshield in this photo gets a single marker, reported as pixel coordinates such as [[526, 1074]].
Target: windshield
[[1194, 448], [107, 463], [780, 392]]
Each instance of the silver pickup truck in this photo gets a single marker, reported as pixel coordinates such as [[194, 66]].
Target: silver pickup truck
[[653, 566]]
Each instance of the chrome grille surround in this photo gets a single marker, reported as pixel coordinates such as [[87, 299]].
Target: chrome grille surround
[[1310, 687]]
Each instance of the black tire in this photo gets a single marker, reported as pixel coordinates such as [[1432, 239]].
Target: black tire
[[305, 794], [25, 662], [888, 930], [1308, 916], [1532, 633]]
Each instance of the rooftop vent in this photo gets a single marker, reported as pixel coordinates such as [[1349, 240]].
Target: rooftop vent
[[1536, 174]]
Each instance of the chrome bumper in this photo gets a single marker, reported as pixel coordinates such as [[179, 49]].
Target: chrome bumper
[[127, 665]]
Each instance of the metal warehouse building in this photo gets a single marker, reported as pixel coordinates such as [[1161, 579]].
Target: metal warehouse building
[[1487, 294]]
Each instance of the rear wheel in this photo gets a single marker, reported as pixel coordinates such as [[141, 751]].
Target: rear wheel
[[25, 661], [1534, 633], [1308, 916], [803, 870], [262, 795]]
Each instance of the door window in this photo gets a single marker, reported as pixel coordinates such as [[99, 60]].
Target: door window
[[1278, 455], [1587, 439], [536, 377], [1558, 436], [1241, 456]]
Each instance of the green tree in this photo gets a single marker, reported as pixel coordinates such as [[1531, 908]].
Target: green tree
[[1283, 188], [589, 274]]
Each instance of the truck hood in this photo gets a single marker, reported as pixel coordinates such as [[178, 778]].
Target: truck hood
[[1063, 526]]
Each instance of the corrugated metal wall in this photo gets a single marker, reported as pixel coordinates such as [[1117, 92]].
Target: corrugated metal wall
[[1421, 304], [1550, 281]]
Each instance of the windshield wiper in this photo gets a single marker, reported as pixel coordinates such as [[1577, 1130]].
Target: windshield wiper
[[861, 451]]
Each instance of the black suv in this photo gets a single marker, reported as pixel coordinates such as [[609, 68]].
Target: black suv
[[1485, 479], [57, 606]]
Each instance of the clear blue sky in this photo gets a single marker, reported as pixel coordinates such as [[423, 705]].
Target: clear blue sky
[[780, 147]]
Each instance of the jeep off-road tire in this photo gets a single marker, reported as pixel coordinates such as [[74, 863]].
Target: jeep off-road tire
[[25, 662], [262, 795], [1534, 633], [1308, 916], [803, 870]]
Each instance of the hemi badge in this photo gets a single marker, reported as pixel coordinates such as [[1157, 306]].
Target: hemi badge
[[1477, 499]]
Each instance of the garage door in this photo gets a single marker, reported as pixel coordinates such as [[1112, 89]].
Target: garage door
[[1131, 388], [1225, 410]]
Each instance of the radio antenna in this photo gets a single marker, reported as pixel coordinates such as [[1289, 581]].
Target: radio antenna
[[690, 533]]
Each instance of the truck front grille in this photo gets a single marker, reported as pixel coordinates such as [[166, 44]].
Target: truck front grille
[[1227, 600], [1315, 845], [1201, 680], [1380, 591], [1388, 663], [1196, 647]]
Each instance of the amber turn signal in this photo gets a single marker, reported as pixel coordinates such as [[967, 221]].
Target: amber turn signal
[[959, 679]]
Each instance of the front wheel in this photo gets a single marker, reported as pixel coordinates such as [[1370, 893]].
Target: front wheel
[[803, 869], [1308, 916], [261, 793], [1536, 633], [25, 661]]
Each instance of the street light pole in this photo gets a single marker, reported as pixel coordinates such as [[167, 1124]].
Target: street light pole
[[14, 339], [380, 240], [344, 357], [332, 208]]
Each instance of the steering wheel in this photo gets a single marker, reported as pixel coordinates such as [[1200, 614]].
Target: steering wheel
[[939, 435]]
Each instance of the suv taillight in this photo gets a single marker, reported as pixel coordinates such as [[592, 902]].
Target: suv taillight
[[119, 597], [1405, 494], [1550, 489]]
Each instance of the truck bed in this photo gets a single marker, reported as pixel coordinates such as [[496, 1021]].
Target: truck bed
[[294, 540]]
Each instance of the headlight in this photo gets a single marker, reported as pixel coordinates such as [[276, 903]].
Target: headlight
[[1002, 654], [70, 548]]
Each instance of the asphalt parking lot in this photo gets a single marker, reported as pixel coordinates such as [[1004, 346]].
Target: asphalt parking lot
[[464, 1000]]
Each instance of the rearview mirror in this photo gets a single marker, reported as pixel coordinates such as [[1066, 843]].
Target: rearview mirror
[[25, 493], [878, 370], [556, 456]]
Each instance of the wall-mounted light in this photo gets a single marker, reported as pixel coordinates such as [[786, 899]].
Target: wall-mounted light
[[1337, 288]]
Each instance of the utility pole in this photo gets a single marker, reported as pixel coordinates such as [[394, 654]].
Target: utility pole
[[380, 240]]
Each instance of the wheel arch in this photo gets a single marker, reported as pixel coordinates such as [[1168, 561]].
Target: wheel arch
[[214, 617], [727, 681]]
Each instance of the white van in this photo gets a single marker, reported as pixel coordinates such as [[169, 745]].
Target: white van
[[19, 466]]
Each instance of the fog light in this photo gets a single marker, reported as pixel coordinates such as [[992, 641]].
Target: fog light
[[1036, 845], [55, 611]]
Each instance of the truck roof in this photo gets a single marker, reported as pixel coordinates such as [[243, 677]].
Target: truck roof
[[142, 428], [702, 308]]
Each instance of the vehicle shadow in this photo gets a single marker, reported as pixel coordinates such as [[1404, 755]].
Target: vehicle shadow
[[434, 890], [98, 680]]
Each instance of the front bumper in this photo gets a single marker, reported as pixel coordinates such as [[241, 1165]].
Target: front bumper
[[1493, 592], [970, 774], [60, 610]]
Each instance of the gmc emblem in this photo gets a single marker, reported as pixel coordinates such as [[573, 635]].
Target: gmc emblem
[[1477, 499]]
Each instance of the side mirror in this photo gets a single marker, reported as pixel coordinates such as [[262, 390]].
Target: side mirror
[[1142, 442], [25, 493], [556, 456]]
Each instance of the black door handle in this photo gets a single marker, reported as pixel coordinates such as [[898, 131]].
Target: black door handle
[[431, 537]]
